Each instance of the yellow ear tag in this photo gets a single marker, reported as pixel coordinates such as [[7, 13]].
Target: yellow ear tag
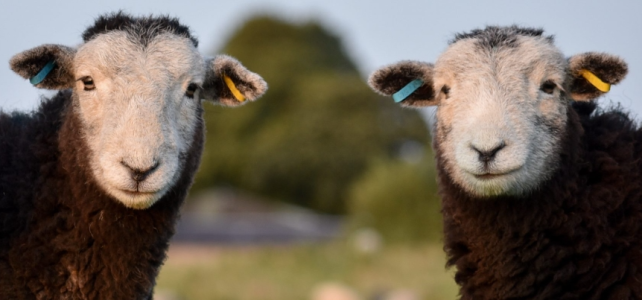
[[230, 84], [595, 81]]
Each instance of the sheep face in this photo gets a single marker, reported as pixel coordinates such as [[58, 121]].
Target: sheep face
[[502, 97], [139, 107], [500, 115], [137, 90]]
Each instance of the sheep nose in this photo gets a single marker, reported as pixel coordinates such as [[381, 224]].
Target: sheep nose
[[487, 155], [140, 174]]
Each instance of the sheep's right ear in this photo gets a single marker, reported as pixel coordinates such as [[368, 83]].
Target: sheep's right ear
[[229, 83], [409, 82], [46, 66], [592, 74]]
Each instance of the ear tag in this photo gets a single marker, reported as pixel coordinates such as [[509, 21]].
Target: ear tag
[[407, 90], [230, 84], [595, 81], [43, 73]]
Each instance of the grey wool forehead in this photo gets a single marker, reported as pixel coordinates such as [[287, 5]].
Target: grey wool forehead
[[500, 36], [143, 29]]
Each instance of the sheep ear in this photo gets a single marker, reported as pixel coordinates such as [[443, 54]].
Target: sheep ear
[[46, 66], [229, 83], [592, 74], [409, 82]]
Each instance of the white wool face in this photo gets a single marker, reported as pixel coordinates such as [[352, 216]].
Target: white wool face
[[138, 116], [496, 103]]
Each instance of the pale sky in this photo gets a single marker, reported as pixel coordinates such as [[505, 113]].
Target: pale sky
[[374, 32]]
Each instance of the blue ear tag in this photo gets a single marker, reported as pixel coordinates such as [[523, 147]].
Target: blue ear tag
[[407, 90], [43, 73]]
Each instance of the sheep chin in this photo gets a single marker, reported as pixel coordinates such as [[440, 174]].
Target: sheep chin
[[137, 200], [488, 186]]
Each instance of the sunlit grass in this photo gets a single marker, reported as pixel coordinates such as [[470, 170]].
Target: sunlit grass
[[293, 272]]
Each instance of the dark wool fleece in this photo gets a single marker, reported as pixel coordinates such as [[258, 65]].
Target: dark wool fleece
[[578, 237], [62, 237]]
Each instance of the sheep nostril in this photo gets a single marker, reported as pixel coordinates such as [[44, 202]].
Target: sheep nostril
[[487, 156], [139, 174]]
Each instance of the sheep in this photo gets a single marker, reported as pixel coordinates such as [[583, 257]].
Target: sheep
[[92, 181], [541, 190]]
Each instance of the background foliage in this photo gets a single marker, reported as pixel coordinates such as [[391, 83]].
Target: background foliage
[[320, 138], [318, 128], [399, 200]]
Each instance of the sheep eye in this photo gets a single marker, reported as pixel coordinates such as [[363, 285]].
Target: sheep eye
[[445, 89], [548, 87], [191, 89], [89, 83]]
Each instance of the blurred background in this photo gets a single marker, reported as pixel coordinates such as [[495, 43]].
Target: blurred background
[[321, 190]]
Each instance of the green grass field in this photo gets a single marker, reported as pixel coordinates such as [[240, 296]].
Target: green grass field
[[293, 272]]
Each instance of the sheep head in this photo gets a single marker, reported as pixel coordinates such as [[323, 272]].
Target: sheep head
[[502, 96], [137, 89]]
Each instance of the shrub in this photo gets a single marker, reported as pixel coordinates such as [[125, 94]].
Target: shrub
[[399, 200]]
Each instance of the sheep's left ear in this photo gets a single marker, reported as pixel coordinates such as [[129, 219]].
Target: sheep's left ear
[[592, 74], [46, 66], [229, 83]]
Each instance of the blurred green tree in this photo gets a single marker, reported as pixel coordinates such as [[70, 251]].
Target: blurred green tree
[[314, 132], [398, 200]]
